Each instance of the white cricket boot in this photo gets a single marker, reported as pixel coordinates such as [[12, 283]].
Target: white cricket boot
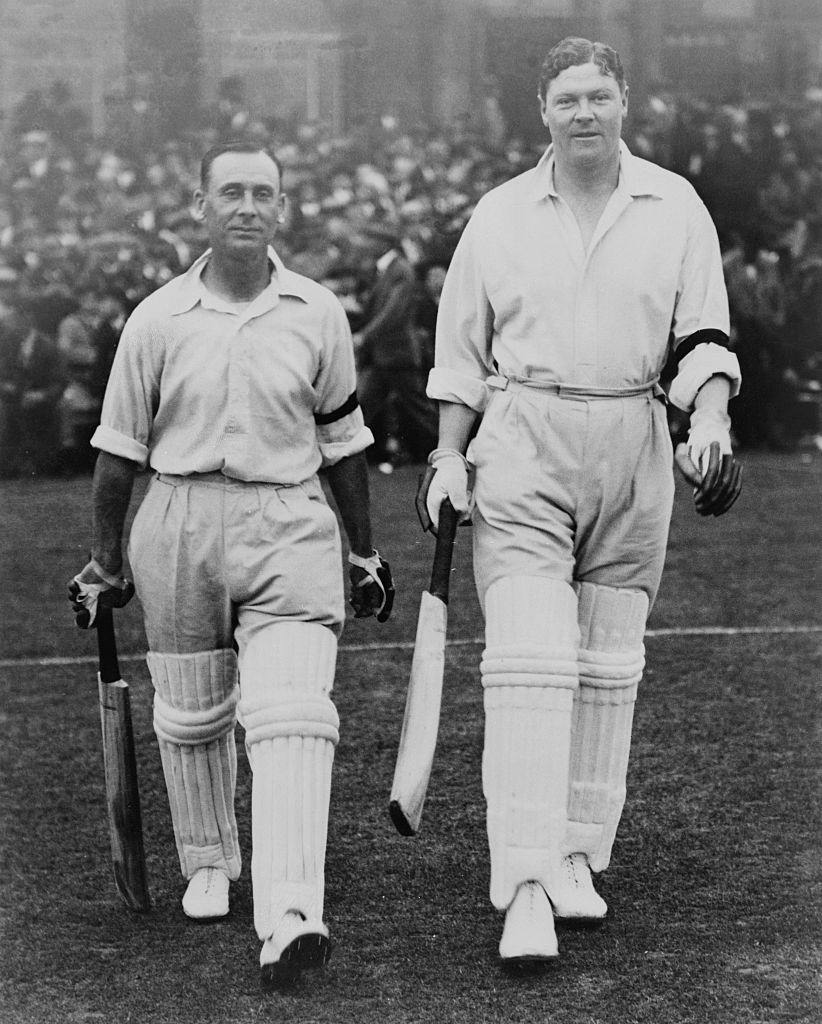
[[574, 897], [528, 934], [206, 897], [295, 944]]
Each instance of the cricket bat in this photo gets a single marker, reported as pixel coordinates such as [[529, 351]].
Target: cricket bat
[[422, 705], [122, 794]]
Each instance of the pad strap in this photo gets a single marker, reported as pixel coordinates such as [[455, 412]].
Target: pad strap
[[308, 717], [192, 727]]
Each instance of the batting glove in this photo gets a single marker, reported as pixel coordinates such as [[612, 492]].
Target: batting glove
[[93, 586], [707, 461], [372, 589], [446, 477], [708, 426]]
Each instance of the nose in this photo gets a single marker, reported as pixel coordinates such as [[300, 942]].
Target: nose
[[584, 111], [247, 202]]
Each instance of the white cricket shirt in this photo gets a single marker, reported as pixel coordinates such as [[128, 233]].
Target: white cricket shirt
[[261, 392], [524, 297]]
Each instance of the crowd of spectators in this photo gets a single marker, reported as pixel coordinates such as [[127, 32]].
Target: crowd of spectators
[[91, 224]]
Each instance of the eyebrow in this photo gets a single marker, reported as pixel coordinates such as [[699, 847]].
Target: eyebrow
[[572, 94], [241, 184]]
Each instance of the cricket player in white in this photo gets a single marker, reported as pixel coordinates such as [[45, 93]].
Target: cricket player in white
[[235, 383], [554, 325]]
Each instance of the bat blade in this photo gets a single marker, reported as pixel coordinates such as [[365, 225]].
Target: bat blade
[[120, 766], [122, 796], [420, 725]]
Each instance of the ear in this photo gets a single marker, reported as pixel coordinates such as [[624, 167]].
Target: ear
[[198, 207], [282, 203], [543, 107], [625, 101]]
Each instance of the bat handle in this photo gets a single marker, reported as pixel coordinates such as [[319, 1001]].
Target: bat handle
[[441, 569], [107, 644]]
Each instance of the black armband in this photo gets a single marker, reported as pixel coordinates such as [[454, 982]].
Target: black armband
[[349, 405], [707, 336]]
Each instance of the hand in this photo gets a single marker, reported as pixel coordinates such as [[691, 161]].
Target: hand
[[93, 586], [706, 460], [372, 589], [446, 477]]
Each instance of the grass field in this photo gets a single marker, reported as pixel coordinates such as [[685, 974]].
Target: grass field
[[716, 884]]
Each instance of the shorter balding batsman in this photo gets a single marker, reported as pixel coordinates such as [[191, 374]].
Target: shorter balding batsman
[[235, 384], [569, 289]]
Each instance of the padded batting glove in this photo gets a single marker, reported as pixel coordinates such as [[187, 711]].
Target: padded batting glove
[[94, 586], [446, 477], [708, 426], [372, 589], [706, 460]]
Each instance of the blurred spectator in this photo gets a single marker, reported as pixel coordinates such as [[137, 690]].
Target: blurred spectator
[[13, 330], [757, 300], [54, 112], [431, 275], [230, 115], [86, 340], [392, 368], [32, 379], [493, 120]]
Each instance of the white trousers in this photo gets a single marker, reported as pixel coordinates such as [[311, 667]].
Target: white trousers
[[572, 489]]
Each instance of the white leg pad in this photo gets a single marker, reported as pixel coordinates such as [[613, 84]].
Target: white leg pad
[[611, 660], [292, 729], [529, 675], [195, 711]]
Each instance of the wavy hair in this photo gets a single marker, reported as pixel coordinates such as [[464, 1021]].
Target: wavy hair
[[574, 50], [237, 146]]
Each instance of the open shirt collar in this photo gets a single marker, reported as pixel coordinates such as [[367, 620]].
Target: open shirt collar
[[191, 289], [635, 179]]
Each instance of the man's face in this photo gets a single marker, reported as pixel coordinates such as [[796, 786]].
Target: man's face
[[583, 109], [241, 203]]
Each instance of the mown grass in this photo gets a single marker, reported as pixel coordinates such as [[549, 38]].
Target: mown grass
[[716, 881]]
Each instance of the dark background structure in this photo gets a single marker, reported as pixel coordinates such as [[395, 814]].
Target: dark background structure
[[345, 61]]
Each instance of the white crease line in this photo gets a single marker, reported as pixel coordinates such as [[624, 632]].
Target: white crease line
[[408, 645]]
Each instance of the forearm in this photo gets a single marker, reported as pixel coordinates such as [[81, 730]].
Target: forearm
[[111, 494], [348, 480], [455, 425], [715, 394]]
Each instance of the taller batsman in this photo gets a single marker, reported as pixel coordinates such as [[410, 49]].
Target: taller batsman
[[568, 289], [235, 383]]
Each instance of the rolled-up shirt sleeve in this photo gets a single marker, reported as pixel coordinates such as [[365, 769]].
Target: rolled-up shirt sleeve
[[341, 430], [132, 394], [464, 326], [701, 325]]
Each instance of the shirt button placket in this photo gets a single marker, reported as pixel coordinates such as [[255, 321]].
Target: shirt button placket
[[585, 321], [235, 418]]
